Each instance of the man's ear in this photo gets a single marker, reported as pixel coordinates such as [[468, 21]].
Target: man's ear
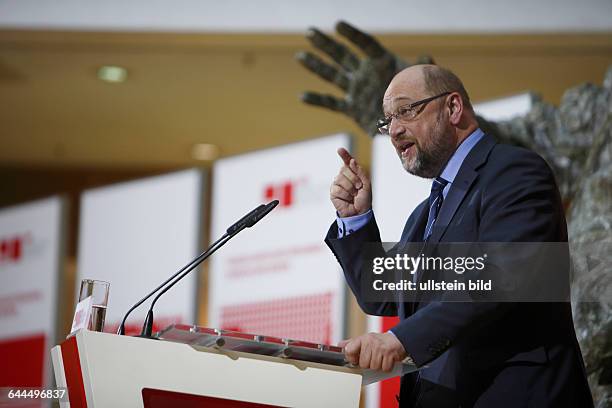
[[455, 106]]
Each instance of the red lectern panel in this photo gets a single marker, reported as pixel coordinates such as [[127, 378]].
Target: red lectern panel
[[153, 398]]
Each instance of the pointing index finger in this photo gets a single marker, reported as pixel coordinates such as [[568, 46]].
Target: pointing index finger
[[345, 156]]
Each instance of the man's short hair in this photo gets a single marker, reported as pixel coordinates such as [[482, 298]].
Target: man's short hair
[[439, 80]]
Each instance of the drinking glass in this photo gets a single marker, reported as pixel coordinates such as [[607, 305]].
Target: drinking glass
[[98, 290]]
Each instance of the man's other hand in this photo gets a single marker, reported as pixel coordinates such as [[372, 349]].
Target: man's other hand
[[378, 351]]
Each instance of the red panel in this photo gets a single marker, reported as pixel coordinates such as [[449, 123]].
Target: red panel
[[153, 398], [74, 375], [22, 361], [389, 322], [391, 387]]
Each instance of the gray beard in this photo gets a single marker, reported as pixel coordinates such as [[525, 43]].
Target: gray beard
[[430, 161]]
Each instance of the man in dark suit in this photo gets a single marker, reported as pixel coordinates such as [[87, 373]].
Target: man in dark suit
[[479, 354]]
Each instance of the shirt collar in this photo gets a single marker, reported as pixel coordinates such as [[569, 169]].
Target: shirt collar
[[452, 166]]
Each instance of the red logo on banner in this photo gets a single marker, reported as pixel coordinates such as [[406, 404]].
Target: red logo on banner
[[11, 250], [297, 192], [282, 192]]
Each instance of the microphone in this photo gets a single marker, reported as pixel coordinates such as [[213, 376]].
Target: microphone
[[252, 218], [241, 223], [245, 222], [257, 216]]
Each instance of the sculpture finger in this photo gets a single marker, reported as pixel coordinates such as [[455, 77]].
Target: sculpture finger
[[325, 101], [368, 44], [338, 52], [323, 69], [424, 59]]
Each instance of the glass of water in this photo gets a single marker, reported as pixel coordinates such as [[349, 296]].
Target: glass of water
[[98, 290]]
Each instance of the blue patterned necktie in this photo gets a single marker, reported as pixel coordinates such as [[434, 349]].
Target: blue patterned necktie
[[435, 202]]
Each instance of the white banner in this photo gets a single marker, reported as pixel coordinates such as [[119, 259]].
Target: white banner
[[31, 245], [278, 278], [137, 234]]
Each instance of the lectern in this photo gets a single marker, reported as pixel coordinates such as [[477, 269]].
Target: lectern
[[190, 366]]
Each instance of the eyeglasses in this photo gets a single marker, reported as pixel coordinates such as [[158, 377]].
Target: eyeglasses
[[406, 113]]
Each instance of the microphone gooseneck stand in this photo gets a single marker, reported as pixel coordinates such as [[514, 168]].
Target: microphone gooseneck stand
[[245, 222]]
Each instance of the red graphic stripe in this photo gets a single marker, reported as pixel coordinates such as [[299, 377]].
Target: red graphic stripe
[[154, 398], [391, 387], [74, 375]]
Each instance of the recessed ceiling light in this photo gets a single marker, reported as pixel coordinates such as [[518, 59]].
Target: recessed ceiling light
[[205, 151], [112, 73]]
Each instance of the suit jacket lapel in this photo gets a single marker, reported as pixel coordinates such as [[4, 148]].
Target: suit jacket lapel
[[413, 234], [461, 185], [456, 193], [459, 188]]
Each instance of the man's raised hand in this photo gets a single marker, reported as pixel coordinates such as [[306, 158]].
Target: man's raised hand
[[351, 191]]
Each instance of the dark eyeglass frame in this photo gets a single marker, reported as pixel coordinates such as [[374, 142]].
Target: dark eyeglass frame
[[384, 124]]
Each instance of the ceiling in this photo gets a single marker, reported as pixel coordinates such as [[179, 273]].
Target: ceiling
[[282, 16], [237, 91]]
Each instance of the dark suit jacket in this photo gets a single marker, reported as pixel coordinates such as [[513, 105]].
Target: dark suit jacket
[[484, 354]]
